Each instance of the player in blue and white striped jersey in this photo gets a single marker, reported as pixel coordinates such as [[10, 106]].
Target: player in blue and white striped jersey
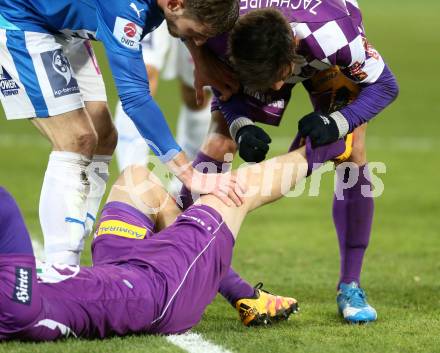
[[46, 55]]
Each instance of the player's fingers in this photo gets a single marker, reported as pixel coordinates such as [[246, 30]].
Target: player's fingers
[[240, 186], [235, 198], [227, 185], [200, 95], [223, 197]]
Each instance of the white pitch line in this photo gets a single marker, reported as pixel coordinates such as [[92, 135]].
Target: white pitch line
[[195, 343]]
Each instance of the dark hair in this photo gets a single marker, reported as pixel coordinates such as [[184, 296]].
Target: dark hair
[[219, 15], [261, 48]]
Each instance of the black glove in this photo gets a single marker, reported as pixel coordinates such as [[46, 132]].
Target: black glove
[[321, 128], [253, 143]]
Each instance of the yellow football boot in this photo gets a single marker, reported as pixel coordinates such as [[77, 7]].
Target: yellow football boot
[[265, 308], [348, 149]]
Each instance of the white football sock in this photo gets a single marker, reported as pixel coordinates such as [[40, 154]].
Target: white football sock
[[192, 127], [63, 207], [98, 174], [131, 148]]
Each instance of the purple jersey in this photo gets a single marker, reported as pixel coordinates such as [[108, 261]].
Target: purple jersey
[[329, 32], [138, 283]]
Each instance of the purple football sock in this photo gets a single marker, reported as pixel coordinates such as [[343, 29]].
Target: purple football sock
[[353, 217], [14, 237], [233, 287], [202, 163], [316, 156]]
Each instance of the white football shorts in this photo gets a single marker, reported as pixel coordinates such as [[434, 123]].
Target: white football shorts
[[43, 75]]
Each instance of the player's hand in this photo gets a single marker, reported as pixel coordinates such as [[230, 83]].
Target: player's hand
[[210, 71], [226, 186], [253, 143], [323, 128]]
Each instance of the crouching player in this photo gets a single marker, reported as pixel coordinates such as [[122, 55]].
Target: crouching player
[[141, 281]]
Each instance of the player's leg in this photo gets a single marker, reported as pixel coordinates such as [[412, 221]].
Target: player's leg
[[85, 67], [68, 126], [353, 210], [132, 148], [271, 179], [63, 201], [20, 302], [143, 190], [330, 90], [193, 121]]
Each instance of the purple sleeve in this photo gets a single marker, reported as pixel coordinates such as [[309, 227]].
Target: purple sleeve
[[233, 109], [263, 107], [373, 98]]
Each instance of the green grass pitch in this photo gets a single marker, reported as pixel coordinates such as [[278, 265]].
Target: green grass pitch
[[291, 245]]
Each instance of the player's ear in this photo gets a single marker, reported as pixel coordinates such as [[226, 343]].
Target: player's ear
[[175, 5]]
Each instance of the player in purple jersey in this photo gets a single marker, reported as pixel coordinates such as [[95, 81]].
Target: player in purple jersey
[[141, 281], [323, 45]]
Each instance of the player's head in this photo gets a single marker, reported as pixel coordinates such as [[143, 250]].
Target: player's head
[[200, 19], [262, 49]]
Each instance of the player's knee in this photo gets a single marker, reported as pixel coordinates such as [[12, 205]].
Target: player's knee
[[106, 130], [84, 142], [108, 140]]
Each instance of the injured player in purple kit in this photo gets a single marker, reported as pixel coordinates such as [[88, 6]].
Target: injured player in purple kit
[[140, 281]]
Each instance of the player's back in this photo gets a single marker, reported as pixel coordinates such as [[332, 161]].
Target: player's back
[[96, 302]]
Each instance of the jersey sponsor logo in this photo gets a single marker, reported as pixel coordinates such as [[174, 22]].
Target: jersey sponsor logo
[[59, 73], [310, 5], [130, 30], [8, 86], [121, 229], [23, 285], [127, 33]]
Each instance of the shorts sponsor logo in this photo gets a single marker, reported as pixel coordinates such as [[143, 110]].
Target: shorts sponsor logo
[[121, 229], [127, 33], [8, 86], [59, 73], [23, 285]]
